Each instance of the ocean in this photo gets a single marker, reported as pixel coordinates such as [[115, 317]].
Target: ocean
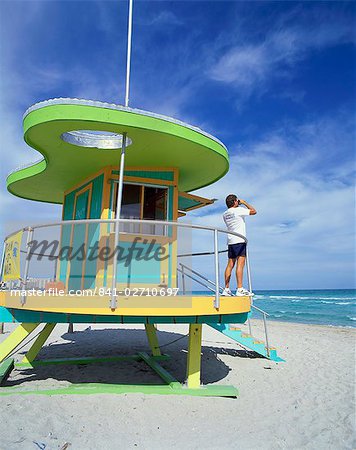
[[323, 307], [336, 307]]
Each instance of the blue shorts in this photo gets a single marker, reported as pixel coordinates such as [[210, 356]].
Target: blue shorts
[[236, 250]]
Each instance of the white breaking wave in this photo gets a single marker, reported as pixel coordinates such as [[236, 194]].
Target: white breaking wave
[[336, 303], [316, 299]]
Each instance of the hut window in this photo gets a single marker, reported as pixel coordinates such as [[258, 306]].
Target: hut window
[[143, 202], [155, 203], [131, 201]]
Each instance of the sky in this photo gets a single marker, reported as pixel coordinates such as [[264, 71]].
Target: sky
[[274, 81]]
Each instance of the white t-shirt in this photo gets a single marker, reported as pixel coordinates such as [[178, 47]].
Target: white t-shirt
[[234, 219]]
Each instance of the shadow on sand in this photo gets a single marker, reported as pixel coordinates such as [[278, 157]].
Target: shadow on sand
[[120, 342]]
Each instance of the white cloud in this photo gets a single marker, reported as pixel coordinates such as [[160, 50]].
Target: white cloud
[[249, 65], [165, 18]]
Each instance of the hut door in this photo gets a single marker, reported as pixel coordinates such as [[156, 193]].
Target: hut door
[[81, 211], [82, 206]]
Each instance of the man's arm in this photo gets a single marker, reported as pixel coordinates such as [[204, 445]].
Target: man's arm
[[251, 208]]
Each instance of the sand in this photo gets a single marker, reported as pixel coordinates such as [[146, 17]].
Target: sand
[[305, 402]]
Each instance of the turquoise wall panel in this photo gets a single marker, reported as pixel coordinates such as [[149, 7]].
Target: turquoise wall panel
[[68, 206], [93, 230], [170, 202], [138, 270], [66, 232], [65, 241], [96, 197], [79, 231], [168, 176], [90, 265]]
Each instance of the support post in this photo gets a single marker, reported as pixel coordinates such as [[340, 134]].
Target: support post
[[194, 355], [152, 339], [128, 56], [113, 301], [38, 344], [15, 338]]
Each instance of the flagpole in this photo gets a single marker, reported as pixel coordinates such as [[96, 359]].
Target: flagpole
[[113, 303]]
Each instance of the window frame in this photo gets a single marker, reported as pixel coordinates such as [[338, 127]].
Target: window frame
[[142, 185]]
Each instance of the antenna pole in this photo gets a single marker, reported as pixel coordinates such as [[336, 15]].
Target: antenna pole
[[128, 60], [113, 302]]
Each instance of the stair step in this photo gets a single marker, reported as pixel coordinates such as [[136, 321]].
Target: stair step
[[247, 341]]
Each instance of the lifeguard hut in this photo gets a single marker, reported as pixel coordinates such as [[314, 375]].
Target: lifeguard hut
[[117, 255]]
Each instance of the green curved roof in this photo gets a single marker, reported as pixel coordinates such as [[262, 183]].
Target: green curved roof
[[157, 141]]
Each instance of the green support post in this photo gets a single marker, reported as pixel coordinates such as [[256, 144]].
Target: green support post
[[39, 342], [194, 355], [15, 339], [152, 339]]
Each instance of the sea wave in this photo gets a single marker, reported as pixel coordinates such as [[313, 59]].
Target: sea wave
[[315, 299], [326, 307], [300, 297], [335, 303], [308, 313]]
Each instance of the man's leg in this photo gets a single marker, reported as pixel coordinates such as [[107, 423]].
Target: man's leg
[[228, 270], [240, 270]]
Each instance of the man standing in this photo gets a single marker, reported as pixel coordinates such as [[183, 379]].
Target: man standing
[[234, 219]]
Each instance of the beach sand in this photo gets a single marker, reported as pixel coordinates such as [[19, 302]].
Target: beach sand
[[305, 402]]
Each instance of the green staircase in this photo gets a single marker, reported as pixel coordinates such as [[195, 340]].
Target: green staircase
[[247, 341]]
